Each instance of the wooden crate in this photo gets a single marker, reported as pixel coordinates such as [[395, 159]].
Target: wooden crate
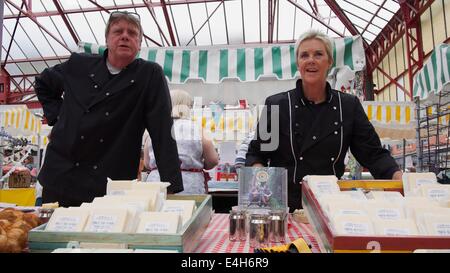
[[186, 240], [330, 242]]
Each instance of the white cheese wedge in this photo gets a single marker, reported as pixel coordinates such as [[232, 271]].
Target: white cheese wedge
[[159, 222], [154, 196], [132, 213], [326, 199], [117, 187], [356, 195], [153, 186], [348, 207], [421, 215], [184, 207], [437, 224], [384, 210], [404, 227], [411, 203], [435, 192], [106, 220], [392, 196], [411, 181], [359, 225], [67, 220], [323, 184], [140, 203]]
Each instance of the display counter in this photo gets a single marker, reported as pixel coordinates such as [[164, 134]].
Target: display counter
[[18, 196], [215, 238]]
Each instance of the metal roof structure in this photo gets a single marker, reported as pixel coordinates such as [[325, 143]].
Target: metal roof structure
[[41, 33]]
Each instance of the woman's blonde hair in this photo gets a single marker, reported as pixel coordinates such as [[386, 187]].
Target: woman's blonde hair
[[181, 104], [315, 34]]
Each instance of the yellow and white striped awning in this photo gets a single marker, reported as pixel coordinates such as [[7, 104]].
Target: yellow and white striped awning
[[18, 120], [390, 113]]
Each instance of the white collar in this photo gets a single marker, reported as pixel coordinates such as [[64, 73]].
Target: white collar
[[113, 70]]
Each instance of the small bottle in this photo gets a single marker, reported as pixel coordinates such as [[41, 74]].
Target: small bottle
[[277, 226], [236, 225], [259, 230]]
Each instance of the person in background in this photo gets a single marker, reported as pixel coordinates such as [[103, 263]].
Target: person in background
[[195, 148], [99, 106], [242, 150], [317, 125]]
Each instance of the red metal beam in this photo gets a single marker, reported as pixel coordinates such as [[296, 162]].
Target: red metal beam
[[12, 37], [414, 44], [347, 23], [66, 21], [150, 10], [391, 80], [381, 46], [107, 8], [169, 25], [44, 59], [116, 7]]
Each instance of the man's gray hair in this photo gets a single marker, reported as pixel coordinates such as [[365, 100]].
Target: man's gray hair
[[315, 34], [129, 17]]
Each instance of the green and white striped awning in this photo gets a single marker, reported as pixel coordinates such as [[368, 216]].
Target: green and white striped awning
[[247, 64], [435, 74]]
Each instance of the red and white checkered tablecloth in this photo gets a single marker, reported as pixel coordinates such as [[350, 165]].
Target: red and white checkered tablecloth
[[215, 239]]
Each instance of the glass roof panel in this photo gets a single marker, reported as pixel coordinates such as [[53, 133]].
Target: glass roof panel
[[87, 21]]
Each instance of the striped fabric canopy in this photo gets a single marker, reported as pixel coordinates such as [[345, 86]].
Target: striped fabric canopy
[[435, 74], [390, 113], [247, 64], [17, 120]]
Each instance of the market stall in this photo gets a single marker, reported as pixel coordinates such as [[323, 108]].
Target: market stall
[[431, 91], [20, 135]]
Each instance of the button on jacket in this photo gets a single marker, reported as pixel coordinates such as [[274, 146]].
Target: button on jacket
[[316, 144], [98, 121]]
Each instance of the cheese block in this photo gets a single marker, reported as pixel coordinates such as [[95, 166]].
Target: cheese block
[[67, 220], [106, 220], [154, 195], [327, 198], [159, 222], [354, 225], [117, 187], [131, 217], [153, 186], [356, 195], [384, 210], [323, 184], [184, 207], [403, 227], [348, 207], [421, 215], [437, 224], [413, 202], [391, 196], [411, 181], [140, 203], [435, 192]]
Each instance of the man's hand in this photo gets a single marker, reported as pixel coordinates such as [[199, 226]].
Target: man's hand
[[397, 175]]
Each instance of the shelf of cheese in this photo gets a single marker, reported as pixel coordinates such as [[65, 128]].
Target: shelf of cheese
[[376, 222], [131, 217]]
